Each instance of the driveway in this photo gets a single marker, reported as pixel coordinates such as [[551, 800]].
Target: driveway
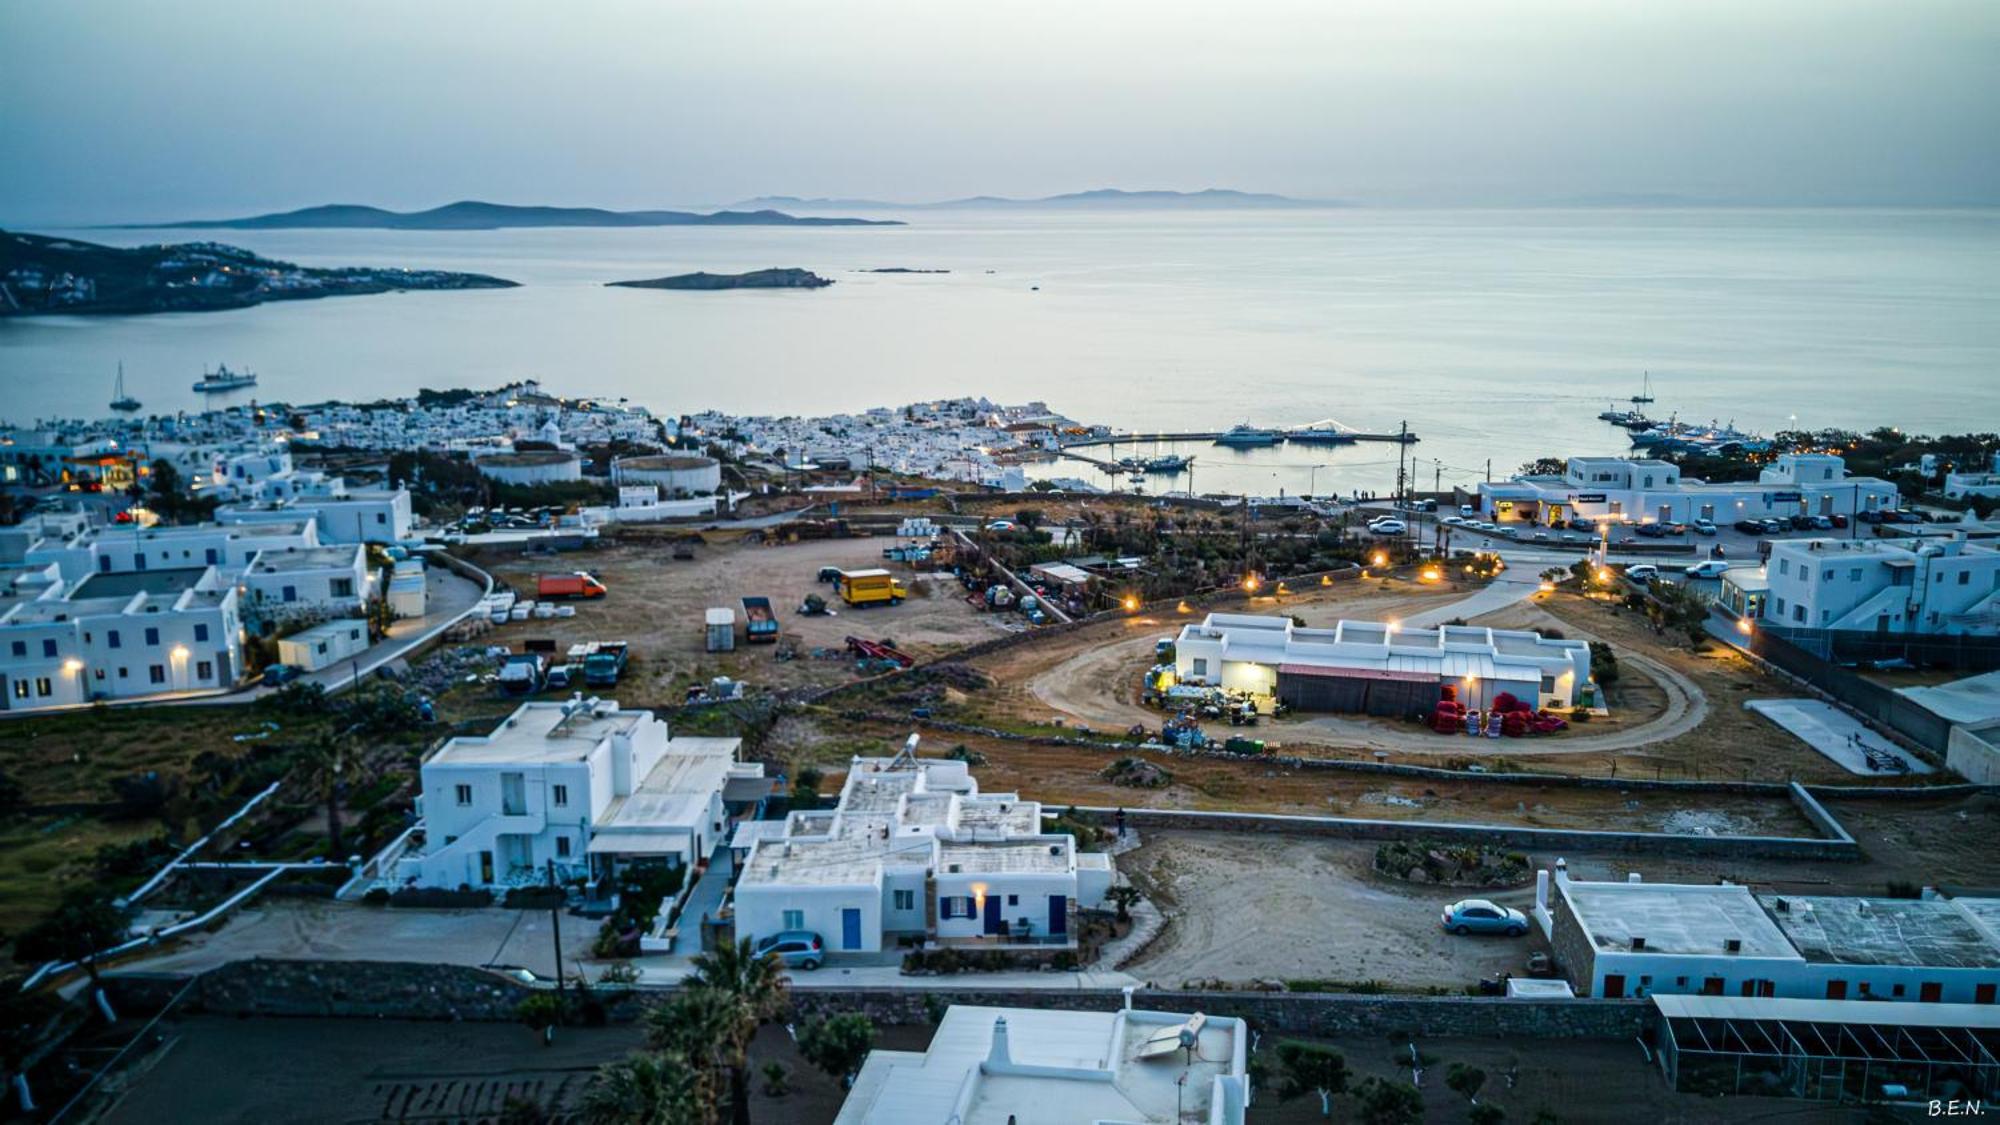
[[1243, 908]]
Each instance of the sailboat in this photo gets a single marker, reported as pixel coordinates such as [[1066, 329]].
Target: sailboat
[[1645, 394], [120, 400]]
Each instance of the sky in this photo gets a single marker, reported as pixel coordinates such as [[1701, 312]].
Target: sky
[[131, 111]]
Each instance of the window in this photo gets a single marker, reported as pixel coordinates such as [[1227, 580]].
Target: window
[[795, 920], [343, 587], [124, 673], [157, 673], [43, 687], [200, 631], [112, 638], [906, 900], [1798, 612], [20, 689], [1201, 666], [559, 794], [562, 847], [1854, 575], [152, 635], [20, 648], [1013, 900], [291, 593], [204, 670], [464, 794], [381, 517], [1965, 578], [212, 559], [1784, 566], [49, 647]]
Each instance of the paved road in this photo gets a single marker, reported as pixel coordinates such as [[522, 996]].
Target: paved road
[[1510, 587]]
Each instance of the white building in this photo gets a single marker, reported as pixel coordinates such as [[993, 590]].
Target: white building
[[1036, 1066], [324, 645], [116, 636], [1643, 490], [1883, 585], [582, 785], [914, 849], [1379, 668], [1617, 940], [345, 516], [308, 581], [530, 467], [81, 550], [676, 474]]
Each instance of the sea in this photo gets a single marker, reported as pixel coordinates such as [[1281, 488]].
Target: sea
[[1496, 336]]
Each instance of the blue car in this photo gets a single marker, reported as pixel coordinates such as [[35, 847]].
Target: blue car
[[1478, 916]]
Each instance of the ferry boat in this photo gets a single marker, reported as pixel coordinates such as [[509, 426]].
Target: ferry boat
[[120, 400], [1249, 435], [1321, 433], [223, 379]]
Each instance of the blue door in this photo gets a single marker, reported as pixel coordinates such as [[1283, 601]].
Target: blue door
[[850, 928], [1058, 914], [994, 923]]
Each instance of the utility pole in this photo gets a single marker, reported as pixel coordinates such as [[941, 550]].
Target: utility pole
[[1402, 455], [1437, 490], [555, 920]]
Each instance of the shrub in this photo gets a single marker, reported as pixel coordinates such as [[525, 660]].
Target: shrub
[[838, 1045], [376, 896]]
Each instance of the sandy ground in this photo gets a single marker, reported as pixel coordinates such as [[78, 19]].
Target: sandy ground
[[657, 604], [1244, 908], [1835, 733]]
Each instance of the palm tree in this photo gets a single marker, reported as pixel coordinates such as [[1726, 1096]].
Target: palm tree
[[643, 1089], [755, 989], [697, 1026], [325, 767]]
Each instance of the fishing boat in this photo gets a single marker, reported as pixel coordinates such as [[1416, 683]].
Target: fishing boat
[[1169, 463], [1246, 434], [223, 379], [120, 400]]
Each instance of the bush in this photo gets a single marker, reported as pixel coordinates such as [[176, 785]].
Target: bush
[[838, 1045], [376, 896], [441, 898]]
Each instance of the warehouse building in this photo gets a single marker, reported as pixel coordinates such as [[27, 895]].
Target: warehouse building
[[1380, 668], [1643, 490]]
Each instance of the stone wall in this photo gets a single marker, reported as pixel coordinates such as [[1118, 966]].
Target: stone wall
[[1283, 1013], [370, 989], [1497, 835], [1570, 945]]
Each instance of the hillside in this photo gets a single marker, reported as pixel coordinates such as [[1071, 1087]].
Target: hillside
[[46, 276], [476, 215], [1100, 199]]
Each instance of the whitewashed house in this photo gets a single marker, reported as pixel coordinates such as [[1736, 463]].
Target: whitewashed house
[[1938, 586], [116, 636], [308, 582]]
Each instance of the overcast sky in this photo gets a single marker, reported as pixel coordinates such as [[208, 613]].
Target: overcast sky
[[135, 111]]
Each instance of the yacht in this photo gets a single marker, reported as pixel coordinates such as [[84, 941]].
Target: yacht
[[1321, 433], [1170, 463], [1247, 434], [223, 379], [119, 399]]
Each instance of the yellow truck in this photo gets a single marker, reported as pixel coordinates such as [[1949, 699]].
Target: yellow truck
[[863, 588]]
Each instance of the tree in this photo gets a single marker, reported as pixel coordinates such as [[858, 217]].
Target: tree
[[694, 1028], [777, 1080], [1543, 467], [1465, 1080], [838, 1045], [1485, 1113], [1123, 896], [325, 767], [1310, 1066], [1030, 518], [542, 1012], [85, 923], [755, 990], [644, 1089], [1382, 1102]]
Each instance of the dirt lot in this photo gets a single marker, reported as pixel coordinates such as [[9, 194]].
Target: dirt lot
[[657, 604], [1246, 908]]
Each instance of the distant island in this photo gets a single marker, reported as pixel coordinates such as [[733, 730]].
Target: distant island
[[1101, 199], [755, 279], [475, 215], [902, 269], [43, 276]]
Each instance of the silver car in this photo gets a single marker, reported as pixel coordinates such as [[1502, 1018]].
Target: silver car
[[1478, 916]]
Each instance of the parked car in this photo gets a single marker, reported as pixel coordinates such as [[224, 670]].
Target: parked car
[[1650, 530], [1388, 526], [1713, 568], [1838, 519], [1775, 527], [795, 949], [1643, 573], [1801, 523], [1822, 523], [1478, 916], [1000, 525], [1453, 521], [1703, 527], [278, 675], [1750, 527]]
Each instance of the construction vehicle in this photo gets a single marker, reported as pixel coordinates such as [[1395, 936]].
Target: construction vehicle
[[524, 673], [879, 650], [1236, 745], [575, 585], [606, 663], [760, 625], [563, 675], [863, 588]]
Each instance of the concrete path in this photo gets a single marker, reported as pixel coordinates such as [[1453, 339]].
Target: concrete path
[[1511, 587], [1834, 733]]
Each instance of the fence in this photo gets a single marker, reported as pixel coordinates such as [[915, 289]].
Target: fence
[[1961, 652], [1873, 701]]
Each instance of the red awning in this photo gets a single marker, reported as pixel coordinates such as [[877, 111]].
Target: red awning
[[1359, 673]]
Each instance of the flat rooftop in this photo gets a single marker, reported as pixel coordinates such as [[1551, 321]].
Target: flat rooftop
[[125, 583], [1011, 857], [541, 733], [679, 788], [1676, 919], [301, 559], [1939, 933]]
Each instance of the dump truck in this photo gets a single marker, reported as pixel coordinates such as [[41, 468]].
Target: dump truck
[[863, 588], [760, 625], [606, 663], [574, 585]]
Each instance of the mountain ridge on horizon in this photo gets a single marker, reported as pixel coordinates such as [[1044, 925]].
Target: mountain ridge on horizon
[[472, 214], [1095, 197]]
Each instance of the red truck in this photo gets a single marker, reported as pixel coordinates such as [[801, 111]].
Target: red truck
[[577, 585]]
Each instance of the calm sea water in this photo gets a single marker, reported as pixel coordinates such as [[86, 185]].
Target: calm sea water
[[1496, 334]]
